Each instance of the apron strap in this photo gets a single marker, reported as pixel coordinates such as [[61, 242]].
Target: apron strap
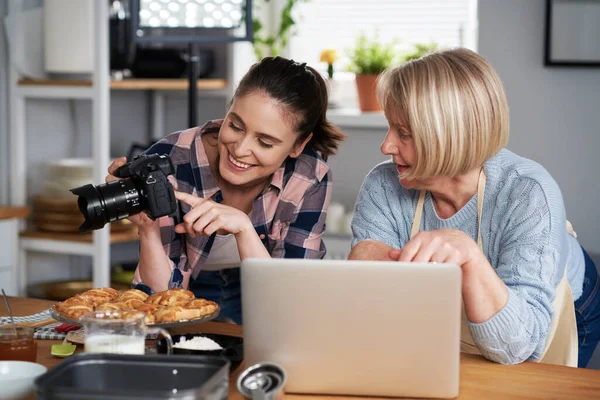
[[480, 192], [418, 214]]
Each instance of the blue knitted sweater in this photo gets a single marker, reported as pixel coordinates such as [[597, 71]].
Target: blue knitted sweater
[[523, 230]]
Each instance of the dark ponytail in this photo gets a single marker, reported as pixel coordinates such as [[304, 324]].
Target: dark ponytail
[[303, 92]]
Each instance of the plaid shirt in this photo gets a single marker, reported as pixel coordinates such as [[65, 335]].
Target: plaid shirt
[[288, 215]]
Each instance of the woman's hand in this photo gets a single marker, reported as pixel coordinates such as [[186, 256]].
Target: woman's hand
[[483, 292], [443, 246], [207, 217], [141, 220]]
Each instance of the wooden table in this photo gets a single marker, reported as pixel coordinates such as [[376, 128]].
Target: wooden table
[[479, 378]]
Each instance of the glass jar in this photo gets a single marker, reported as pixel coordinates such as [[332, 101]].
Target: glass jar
[[118, 332], [17, 346]]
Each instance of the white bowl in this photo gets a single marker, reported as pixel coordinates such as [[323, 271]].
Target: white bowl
[[17, 377], [78, 168]]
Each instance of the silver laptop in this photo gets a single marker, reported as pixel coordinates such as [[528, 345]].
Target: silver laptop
[[355, 327]]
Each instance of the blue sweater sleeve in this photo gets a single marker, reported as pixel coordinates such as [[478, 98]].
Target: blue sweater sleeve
[[373, 217], [534, 234]]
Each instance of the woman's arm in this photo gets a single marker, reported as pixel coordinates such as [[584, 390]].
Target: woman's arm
[[154, 267], [374, 228], [298, 233], [530, 263], [207, 217], [162, 258], [483, 292], [370, 249], [250, 245]]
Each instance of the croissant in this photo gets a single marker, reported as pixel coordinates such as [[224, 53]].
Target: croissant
[[206, 307], [175, 313], [130, 303], [111, 306], [132, 294], [75, 307], [171, 297], [100, 296], [149, 310]]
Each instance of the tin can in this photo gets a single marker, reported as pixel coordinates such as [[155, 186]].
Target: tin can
[[262, 381]]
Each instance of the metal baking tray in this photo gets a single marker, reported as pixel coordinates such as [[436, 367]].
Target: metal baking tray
[[59, 317], [127, 377]]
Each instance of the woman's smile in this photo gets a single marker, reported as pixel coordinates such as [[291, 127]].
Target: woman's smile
[[237, 165]]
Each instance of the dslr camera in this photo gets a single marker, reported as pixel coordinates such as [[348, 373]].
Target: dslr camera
[[143, 187]]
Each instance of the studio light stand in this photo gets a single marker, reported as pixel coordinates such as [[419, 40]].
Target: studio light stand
[[191, 23]]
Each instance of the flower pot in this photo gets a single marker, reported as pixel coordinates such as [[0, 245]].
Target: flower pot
[[334, 90], [367, 96]]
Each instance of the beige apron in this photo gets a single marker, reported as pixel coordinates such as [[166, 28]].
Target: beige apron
[[561, 343]]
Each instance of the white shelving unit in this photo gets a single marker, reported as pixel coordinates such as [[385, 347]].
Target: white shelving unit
[[98, 93]]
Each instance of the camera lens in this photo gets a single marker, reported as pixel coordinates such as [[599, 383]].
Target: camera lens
[[107, 202]]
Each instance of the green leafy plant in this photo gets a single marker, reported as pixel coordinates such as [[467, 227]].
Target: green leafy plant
[[370, 56], [271, 44], [420, 50]]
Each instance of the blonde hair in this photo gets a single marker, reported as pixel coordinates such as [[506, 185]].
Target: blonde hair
[[453, 104]]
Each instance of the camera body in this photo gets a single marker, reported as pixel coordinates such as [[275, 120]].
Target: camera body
[[149, 173], [143, 187]]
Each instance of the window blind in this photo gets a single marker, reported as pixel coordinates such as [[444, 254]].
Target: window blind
[[323, 24]]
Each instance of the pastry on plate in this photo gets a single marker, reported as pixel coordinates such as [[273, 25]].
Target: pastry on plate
[[175, 314], [132, 294], [149, 310], [206, 307], [111, 306], [171, 297], [130, 303], [100, 296], [75, 307]]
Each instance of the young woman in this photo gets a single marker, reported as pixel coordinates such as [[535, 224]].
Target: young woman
[[452, 193], [254, 184]]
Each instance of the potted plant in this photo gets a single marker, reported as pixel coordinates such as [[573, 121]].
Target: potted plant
[[329, 57], [272, 43], [368, 59], [420, 50]]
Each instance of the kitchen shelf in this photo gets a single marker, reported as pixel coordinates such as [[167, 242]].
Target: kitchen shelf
[[354, 118], [69, 243], [116, 237], [14, 212], [128, 84]]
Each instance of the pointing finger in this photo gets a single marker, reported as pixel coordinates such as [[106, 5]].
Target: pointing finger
[[187, 198]]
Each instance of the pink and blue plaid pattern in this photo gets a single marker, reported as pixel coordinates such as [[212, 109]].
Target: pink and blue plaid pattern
[[289, 214]]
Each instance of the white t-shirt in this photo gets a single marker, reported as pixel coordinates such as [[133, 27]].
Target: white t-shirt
[[223, 254]]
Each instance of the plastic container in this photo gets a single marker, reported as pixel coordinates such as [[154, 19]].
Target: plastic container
[[120, 376]]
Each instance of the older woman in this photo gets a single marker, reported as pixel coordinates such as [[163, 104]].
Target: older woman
[[452, 193]]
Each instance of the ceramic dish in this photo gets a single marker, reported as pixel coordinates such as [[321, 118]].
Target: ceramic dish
[[232, 347], [17, 377]]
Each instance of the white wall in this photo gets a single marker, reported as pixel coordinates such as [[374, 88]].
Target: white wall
[[555, 112], [4, 164]]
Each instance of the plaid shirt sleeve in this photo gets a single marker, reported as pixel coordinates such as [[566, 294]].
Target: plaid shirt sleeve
[[174, 145], [302, 235]]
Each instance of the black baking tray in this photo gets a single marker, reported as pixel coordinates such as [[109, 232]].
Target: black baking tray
[[127, 377]]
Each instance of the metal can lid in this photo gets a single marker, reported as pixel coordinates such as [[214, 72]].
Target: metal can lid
[[266, 379]]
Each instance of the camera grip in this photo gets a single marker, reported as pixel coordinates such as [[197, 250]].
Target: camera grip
[[160, 196]]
